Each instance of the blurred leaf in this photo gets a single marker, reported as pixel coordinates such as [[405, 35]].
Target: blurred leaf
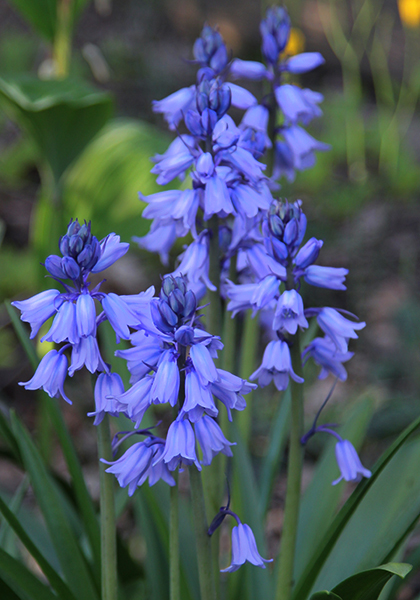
[[245, 498], [376, 530], [321, 498], [367, 585], [18, 271], [306, 582], [271, 462], [55, 580], [42, 14], [21, 580], [103, 185], [54, 511], [62, 116]]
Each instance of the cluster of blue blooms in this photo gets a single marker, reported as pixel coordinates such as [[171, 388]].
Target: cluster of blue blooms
[[172, 356], [223, 159]]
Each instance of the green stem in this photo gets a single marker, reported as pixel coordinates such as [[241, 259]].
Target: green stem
[[247, 366], [108, 525], [294, 474], [204, 553], [215, 308], [62, 40], [174, 541]]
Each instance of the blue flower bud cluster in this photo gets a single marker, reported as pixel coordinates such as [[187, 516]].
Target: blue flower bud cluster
[[172, 362], [221, 159], [294, 148], [277, 263], [74, 309]]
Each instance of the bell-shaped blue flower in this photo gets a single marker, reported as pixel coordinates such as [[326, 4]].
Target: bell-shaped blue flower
[[180, 446], [211, 439], [289, 313], [244, 548], [276, 365], [50, 375], [349, 463], [107, 387], [39, 308]]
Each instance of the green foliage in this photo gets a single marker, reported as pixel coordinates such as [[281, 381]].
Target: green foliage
[[42, 14], [103, 184], [61, 116]]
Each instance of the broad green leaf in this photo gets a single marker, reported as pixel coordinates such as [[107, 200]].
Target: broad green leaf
[[103, 184], [62, 116], [271, 462], [25, 585], [367, 585], [42, 14], [326, 545], [321, 498], [55, 580], [387, 512], [68, 550]]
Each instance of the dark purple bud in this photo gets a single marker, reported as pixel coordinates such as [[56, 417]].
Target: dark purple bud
[[291, 232], [168, 285], [308, 253], [70, 267], [157, 318], [167, 314], [73, 228], [180, 283], [176, 301], [86, 256], [185, 335], [53, 266], [64, 245], [193, 122], [208, 121], [199, 50], [75, 245], [190, 304], [270, 49], [219, 60], [279, 249]]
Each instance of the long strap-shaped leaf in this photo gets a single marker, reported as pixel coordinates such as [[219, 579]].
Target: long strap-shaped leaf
[[25, 585], [83, 498], [50, 573], [305, 583], [68, 550]]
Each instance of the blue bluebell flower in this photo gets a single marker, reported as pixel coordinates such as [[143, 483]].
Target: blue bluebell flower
[[324, 353], [349, 463], [211, 439], [107, 387], [139, 462], [276, 365], [327, 277], [244, 548], [180, 446], [289, 313], [337, 327], [50, 375]]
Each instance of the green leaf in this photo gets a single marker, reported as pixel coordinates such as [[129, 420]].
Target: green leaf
[[324, 595], [321, 498], [271, 462], [62, 116], [21, 580], [375, 531], [103, 185], [367, 585], [55, 580], [42, 14], [67, 547], [306, 582], [245, 500]]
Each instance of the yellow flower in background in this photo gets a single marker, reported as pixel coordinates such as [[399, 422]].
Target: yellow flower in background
[[296, 43], [409, 12], [43, 347]]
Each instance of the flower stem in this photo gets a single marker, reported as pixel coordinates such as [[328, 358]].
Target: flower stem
[[108, 526], [215, 309], [247, 366], [62, 40], [294, 474], [204, 554], [174, 541]]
